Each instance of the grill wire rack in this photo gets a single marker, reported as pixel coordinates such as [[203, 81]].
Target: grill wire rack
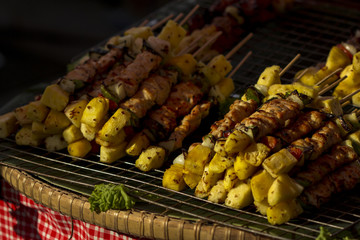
[[309, 29]]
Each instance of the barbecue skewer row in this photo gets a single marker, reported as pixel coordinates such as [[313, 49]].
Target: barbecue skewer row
[[189, 123], [174, 177], [159, 122], [257, 189], [61, 98]]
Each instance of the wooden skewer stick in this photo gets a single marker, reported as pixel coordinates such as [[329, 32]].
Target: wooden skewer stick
[[161, 22], [239, 64], [290, 64], [189, 14], [238, 46], [190, 47], [146, 21], [331, 86], [328, 76], [345, 104], [301, 74], [211, 40], [178, 17], [348, 97]]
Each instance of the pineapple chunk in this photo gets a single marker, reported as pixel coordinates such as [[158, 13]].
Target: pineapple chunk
[[230, 178], [8, 124], [219, 164], [270, 76], [222, 89], [186, 63], [240, 196], [26, 137], [111, 129], [218, 193], [197, 158], [207, 181], [256, 153], [90, 132], [72, 134], [173, 178], [173, 33], [191, 179], [283, 212], [79, 148], [219, 147], [221, 65], [282, 189], [139, 32], [262, 206], [151, 158], [55, 97], [236, 142], [242, 168], [210, 74], [113, 153], [74, 111], [55, 143], [280, 162], [337, 59], [137, 144], [260, 184], [95, 111], [330, 105], [22, 116], [37, 111], [38, 129], [55, 122]]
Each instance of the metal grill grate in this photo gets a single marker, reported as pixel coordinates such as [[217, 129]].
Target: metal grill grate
[[310, 30]]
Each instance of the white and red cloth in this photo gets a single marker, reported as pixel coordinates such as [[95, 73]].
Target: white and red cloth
[[23, 219]]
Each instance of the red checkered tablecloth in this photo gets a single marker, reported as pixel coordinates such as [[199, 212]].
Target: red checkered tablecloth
[[21, 218]]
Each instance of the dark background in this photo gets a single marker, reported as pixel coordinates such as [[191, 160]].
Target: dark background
[[38, 38]]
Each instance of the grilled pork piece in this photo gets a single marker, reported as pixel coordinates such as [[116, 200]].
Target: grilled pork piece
[[315, 171], [238, 111], [270, 117], [341, 180]]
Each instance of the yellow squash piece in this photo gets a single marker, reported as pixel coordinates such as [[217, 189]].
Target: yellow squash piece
[[95, 111], [79, 148], [72, 134], [115, 125], [55, 97], [113, 153], [8, 124], [74, 111]]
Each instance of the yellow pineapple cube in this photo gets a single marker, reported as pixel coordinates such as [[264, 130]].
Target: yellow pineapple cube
[[55, 97]]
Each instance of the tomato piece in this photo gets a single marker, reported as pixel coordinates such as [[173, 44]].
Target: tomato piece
[[296, 152], [347, 52]]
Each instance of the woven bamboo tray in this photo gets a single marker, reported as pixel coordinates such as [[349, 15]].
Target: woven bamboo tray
[[136, 223]]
